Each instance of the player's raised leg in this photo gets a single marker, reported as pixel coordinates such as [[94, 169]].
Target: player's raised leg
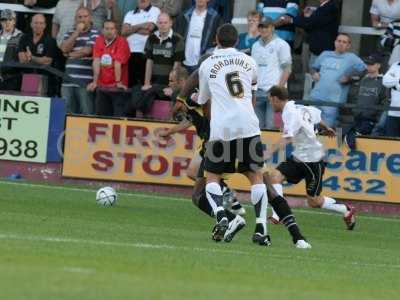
[[348, 212]]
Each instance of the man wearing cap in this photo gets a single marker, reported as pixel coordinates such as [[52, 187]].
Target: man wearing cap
[[274, 61], [9, 40], [371, 92]]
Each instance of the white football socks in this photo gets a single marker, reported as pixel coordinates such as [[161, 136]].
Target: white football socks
[[259, 199], [279, 189], [330, 204], [214, 196]]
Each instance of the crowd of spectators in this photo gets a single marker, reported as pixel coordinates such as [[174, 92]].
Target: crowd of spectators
[[121, 55]]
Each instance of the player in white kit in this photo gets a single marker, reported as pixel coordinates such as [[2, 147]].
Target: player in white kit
[[229, 78], [307, 160]]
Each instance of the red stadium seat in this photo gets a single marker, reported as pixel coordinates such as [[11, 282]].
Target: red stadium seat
[[34, 84], [278, 120], [161, 110]]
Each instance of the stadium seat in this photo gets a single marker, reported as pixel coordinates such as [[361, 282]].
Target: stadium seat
[[161, 110], [278, 120], [34, 84]]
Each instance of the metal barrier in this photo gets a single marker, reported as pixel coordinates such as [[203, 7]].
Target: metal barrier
[[48, 69]]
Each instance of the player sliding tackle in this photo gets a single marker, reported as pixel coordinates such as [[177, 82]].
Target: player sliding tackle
[[307, 161]]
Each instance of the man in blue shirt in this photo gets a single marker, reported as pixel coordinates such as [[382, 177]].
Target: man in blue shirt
[[277, 10], [332, 72], [247, 39]]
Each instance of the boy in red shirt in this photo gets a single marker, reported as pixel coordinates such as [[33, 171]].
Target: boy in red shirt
[[110, 67]]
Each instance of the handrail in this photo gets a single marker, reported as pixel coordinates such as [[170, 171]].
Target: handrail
[[342, 28], [46, 68]]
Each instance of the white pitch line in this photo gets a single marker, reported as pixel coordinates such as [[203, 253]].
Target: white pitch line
[[79, 270], [179, 199], [188, 249]]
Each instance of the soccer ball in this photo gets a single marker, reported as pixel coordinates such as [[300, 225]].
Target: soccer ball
[[106, 196]]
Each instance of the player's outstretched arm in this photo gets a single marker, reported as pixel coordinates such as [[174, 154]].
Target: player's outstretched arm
[[185, 124]]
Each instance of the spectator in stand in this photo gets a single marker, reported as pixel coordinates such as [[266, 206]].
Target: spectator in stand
[[171, 7], [383, 12], [321, 24], [138, 25], [10, 78], [332, 72], [78, 48], [392, 80], [186, 4], [164, 51], [24, 18], [371, 92], [110, 71], [247, 39], [126, 6], [391, 38], [274, 60], [39, 48], [103, 10], [198, 26], [224, 8], [64, 18], [276, 9], [40, 3]]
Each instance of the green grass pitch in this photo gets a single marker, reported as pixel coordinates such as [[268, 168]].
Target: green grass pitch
[[57, 243]]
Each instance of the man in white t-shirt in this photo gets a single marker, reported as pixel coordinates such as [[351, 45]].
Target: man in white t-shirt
[[137, 26], [274, 61], [307, 160], [391, 80], [198, 26], [384, 12], [229, 78]]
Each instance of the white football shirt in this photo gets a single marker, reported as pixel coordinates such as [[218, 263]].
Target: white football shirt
[[227, 78], [271, 58], [299, 124]]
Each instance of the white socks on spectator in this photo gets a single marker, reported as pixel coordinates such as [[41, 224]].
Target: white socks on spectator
[[259, 199], [330, 204]]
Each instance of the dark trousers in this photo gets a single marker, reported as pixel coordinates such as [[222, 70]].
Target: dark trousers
[[393, 126], [11, 82], [136, 68], [143, 100], [111, 102]]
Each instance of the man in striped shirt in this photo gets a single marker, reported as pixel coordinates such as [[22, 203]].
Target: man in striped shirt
[[77, 47], [275, 9]]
